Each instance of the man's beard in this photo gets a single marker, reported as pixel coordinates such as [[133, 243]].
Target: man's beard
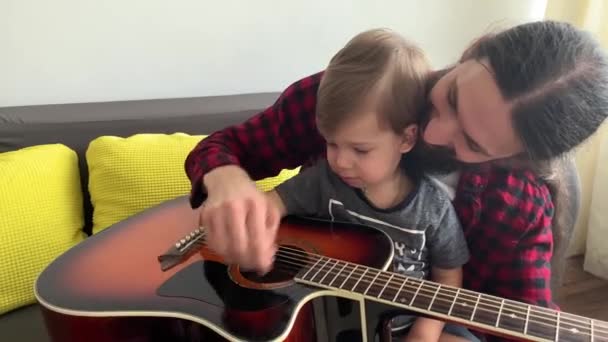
[[434, 160], [427, 158]]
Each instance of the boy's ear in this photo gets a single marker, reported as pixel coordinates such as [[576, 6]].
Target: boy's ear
[[410, 136]]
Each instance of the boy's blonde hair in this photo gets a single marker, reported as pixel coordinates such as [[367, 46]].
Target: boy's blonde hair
[[378, 65]]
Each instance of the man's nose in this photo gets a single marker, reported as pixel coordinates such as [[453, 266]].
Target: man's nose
[[442, 130]]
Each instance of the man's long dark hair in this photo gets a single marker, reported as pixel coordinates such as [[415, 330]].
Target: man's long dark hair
[[556, 77]]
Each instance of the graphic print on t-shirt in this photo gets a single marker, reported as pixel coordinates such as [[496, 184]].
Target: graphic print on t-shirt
[[408, 244]]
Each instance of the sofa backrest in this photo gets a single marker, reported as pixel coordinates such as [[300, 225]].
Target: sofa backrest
[[76, 125]]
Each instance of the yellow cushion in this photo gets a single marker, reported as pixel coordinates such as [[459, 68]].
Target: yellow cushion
[[128, 175], [41, 216]]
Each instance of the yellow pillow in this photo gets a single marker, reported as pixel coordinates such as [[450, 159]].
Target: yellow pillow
[[41, 216], [128, 175]]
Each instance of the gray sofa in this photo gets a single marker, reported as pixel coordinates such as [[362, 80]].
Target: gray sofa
[[75, 125]]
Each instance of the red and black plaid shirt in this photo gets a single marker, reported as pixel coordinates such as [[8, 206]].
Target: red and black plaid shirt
[[506, 214]]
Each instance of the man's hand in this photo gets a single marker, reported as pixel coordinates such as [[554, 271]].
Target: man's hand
[[240, 220]]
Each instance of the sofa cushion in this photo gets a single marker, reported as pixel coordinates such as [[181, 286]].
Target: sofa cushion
[[41, 216], [77, 124], [128, 175]]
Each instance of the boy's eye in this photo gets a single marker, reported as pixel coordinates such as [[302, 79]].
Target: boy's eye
[[360, 151]]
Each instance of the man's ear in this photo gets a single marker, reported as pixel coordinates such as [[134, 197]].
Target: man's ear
[[410, 136]]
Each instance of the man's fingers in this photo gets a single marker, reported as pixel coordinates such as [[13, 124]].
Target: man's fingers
[[271, 223], [236, 234], [216, 239], [256, 230], [273, 220]]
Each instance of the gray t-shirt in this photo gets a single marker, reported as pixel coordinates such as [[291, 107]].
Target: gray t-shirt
[[424, 227]]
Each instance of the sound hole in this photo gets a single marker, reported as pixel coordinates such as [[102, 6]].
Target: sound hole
[[289, 260]]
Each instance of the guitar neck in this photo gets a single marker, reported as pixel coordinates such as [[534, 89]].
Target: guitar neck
[[490, 313]]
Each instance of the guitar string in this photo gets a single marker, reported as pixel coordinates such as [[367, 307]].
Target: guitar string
[[421, 285], [292, 271], [417, 282], [425, 283], [562, 317]]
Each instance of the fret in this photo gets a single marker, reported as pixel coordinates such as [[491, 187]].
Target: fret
[[359, 280], [400, 296], [329, 272], [434, 296], [336, 276], [542, 323], [444, 300], [376, 285], [454, 301], [310, 269], [527, 319], [502, 304], [391, 288], [513, 316], [387, 284], [557, 327], [475, 307], [320, 272], [463, 306], [423, 296], [574, 328], [347, 280], [416, 293], [487, 310]]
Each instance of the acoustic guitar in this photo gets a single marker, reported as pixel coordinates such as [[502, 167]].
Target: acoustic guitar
[[152, 278]]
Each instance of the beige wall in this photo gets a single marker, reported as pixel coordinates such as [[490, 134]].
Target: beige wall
[[91, 50], [586, 160]]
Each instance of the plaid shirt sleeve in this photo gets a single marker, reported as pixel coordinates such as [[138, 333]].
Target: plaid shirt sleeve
[[282, 136], [507, 215]]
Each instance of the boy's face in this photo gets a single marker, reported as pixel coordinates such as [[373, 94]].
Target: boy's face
[[365, 153]]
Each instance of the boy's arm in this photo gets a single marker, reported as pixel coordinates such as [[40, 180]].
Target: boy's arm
[[448, 252], [428, 329], [303, 193]]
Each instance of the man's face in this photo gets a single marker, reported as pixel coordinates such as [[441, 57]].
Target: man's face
[[468, 120]]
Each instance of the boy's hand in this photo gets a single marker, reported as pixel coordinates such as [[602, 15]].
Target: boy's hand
[[241, 221]]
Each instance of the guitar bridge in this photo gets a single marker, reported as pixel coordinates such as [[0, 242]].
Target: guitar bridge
[[180, 249]]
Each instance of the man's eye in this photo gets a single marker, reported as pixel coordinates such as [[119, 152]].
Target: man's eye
[[450, 101], [473, 146], [360, 151]]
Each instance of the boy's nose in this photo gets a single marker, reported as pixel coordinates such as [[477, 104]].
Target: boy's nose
[[343, 161]]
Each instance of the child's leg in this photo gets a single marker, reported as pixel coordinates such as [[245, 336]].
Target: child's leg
[[451, 332], [457, 333], [444, 337], [447, 337]]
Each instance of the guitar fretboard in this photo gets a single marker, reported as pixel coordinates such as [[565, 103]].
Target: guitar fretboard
[[488, 312]]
